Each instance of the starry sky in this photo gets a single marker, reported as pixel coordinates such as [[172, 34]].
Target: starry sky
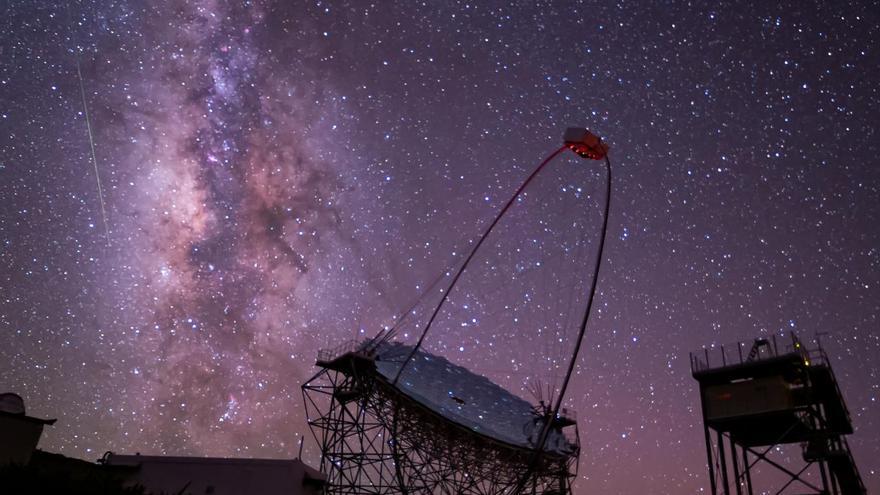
[[278, 177]]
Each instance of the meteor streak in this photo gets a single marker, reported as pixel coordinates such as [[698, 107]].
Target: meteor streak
[[82, 92]]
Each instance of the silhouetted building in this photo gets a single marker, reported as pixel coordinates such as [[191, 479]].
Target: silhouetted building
[[217, 476], [23, 469], [19, 433]]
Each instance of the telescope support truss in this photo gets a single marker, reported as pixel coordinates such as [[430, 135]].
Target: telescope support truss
[[376, 440]]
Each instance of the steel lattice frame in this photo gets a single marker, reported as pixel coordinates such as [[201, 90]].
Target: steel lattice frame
[[376, 440]]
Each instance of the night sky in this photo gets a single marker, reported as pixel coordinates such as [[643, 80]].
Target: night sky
[[279, 177]]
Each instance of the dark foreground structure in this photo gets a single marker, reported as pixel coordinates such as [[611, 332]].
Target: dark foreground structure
[[761, 396], [24, 469], [19, 433], [215, 475]]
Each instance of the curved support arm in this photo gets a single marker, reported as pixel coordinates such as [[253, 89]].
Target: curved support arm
[[542, 439], [583, 328], [474, 252], [592, 295]]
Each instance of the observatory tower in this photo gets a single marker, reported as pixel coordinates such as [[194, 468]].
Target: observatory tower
[[764, 400]]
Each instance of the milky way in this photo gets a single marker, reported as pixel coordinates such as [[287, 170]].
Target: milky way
[[233, 201], [283, 176]]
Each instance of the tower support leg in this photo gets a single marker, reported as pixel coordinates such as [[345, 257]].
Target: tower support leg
[[736, 477], [710, 459], [748, 470], [723, 460]]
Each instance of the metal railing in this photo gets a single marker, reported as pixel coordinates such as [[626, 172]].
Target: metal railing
[[327, 355], [737, 353]]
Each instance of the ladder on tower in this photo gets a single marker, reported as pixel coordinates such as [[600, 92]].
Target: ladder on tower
[[756, 349], [841, 465]]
